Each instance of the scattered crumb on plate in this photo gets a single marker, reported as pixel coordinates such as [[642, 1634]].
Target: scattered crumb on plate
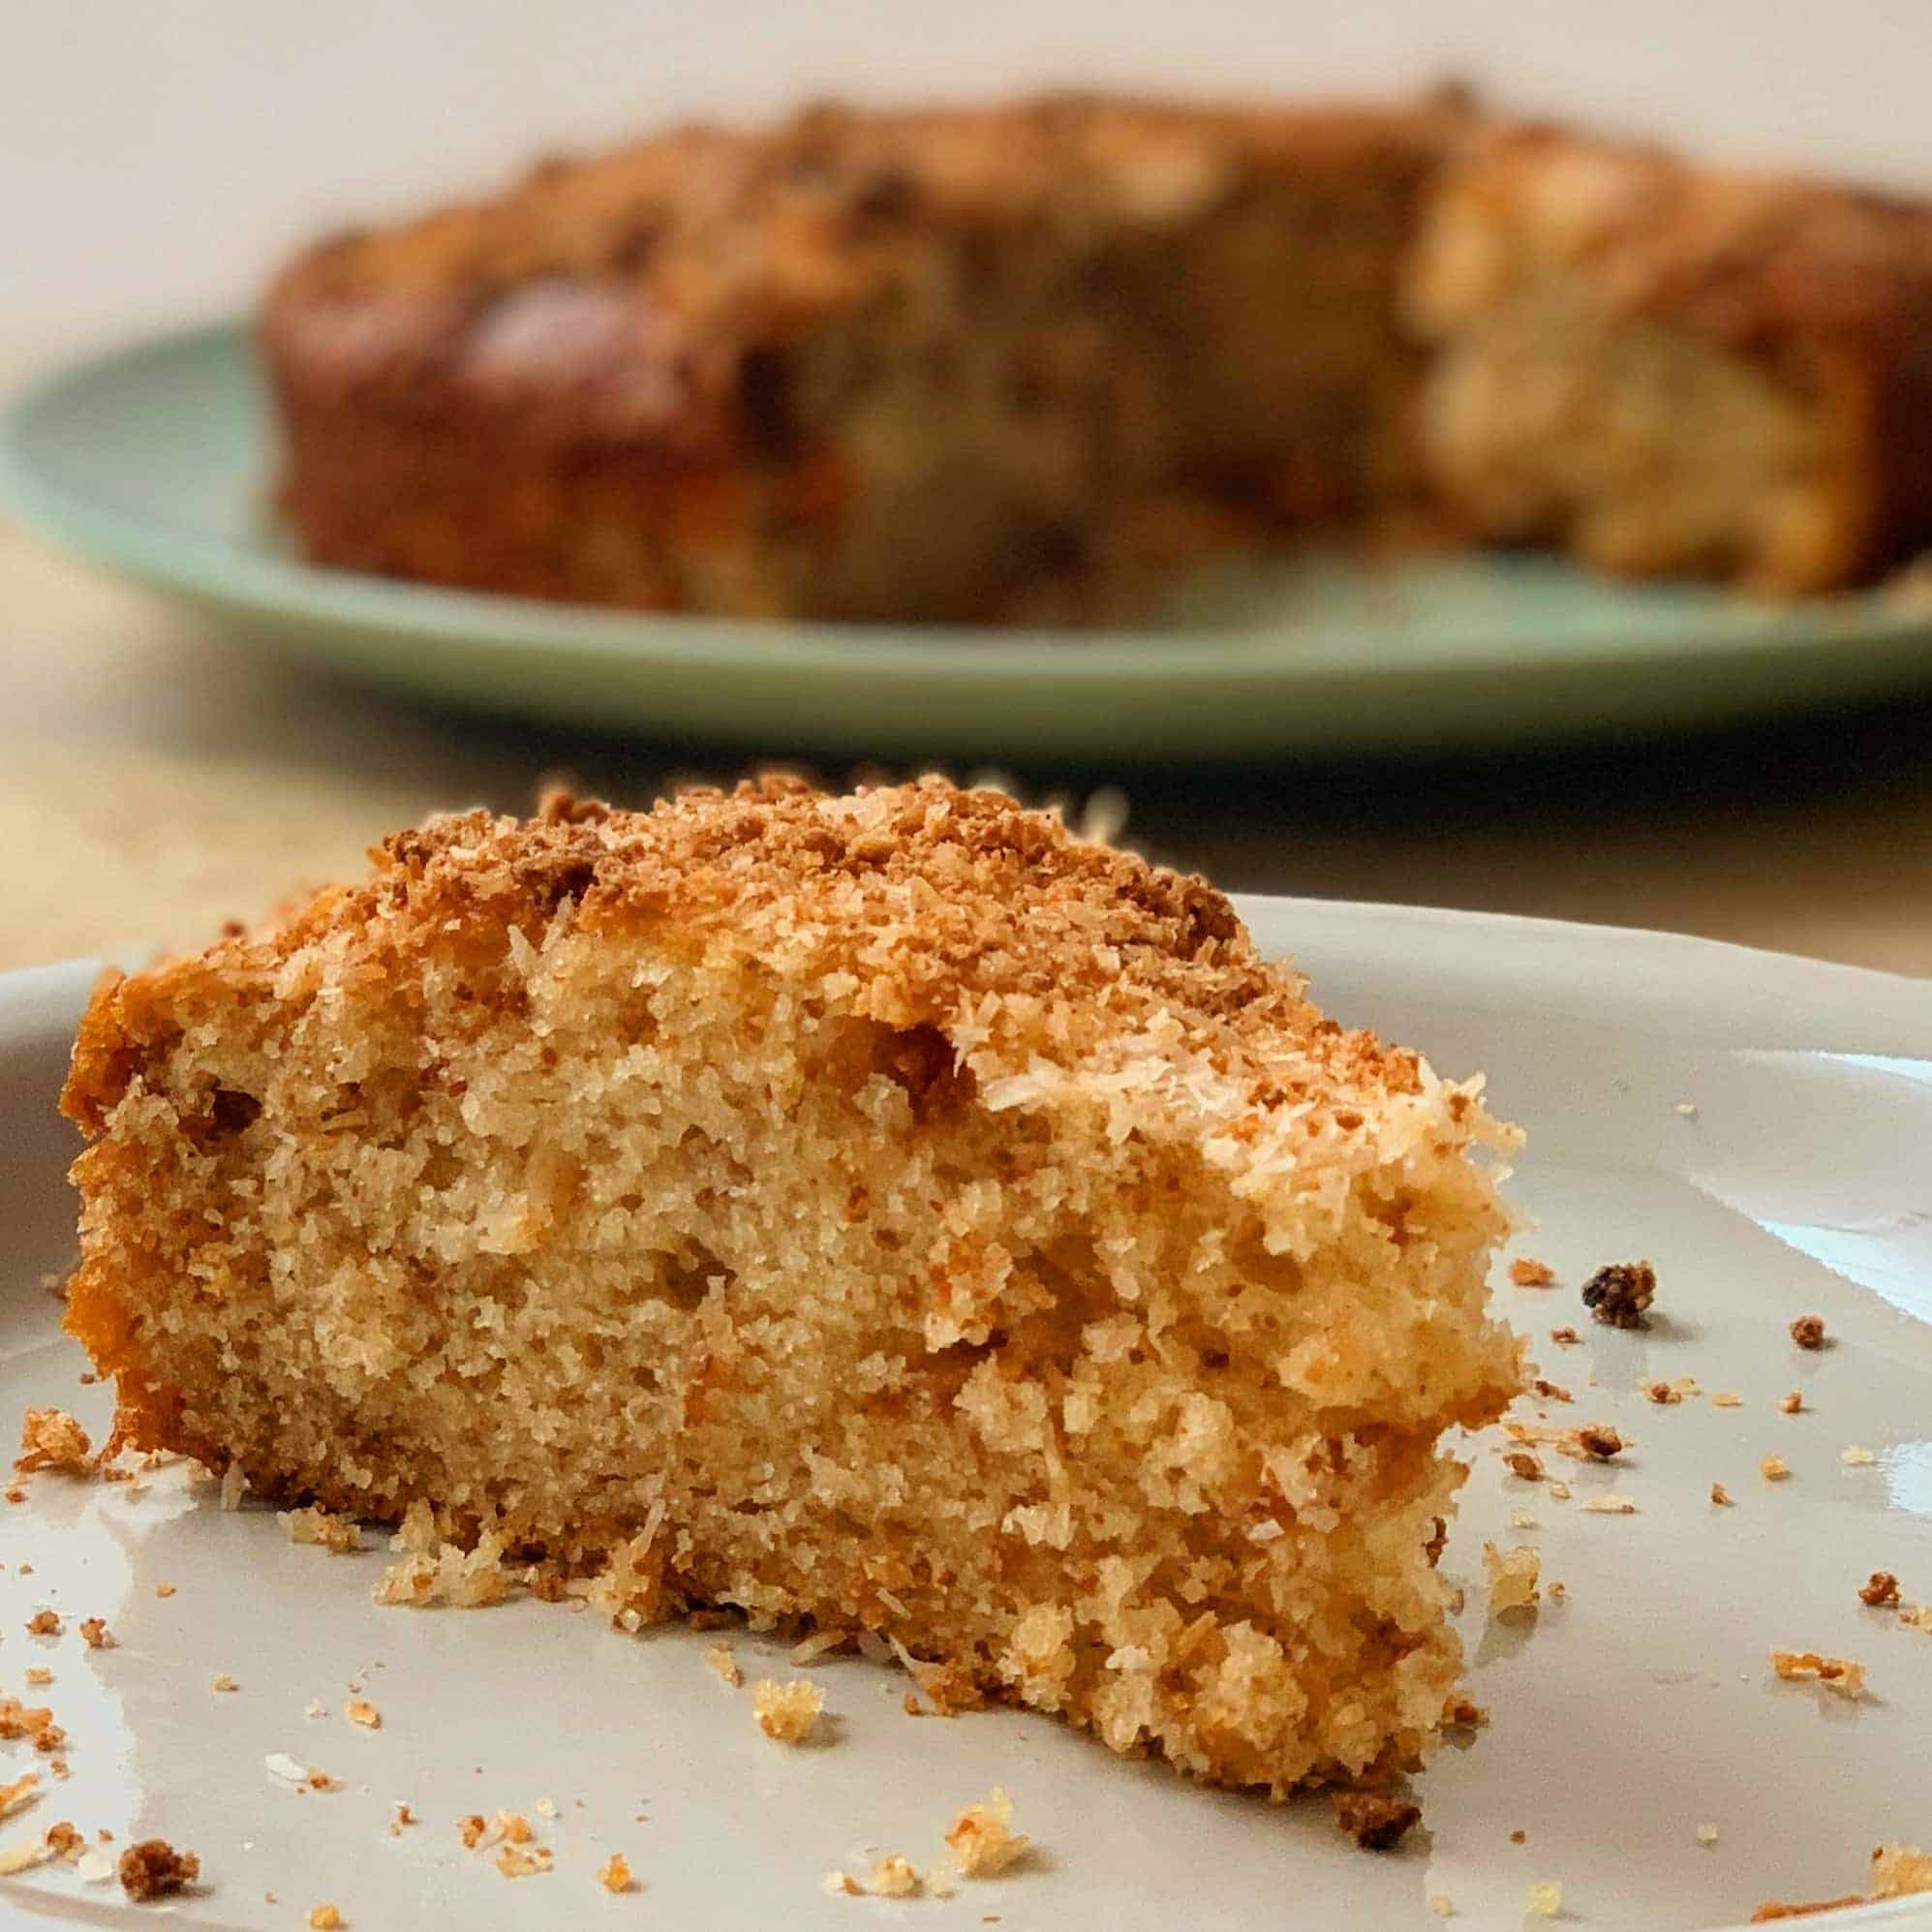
[[1620, 1295], [1513, 1577], [786, 1712], [1376, 1821], [1808, 1330], [1844, 1675], [981, 1841], [724, 1664], [1774, 1469], [1880, 1590], [155, 1869], [1528, 1272]]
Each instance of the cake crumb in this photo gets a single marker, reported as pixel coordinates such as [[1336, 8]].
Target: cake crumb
[[1521, 1463], [471, 1829], [1374, 1820], [234, 1486], [325, 1918], [1899, 1871], [20, 1793], [1808, 1330], [981, 1841], [224, 1682], [843, 1885], [1565, 1337], [359, 1710], [1855, 1456], [1543, 1901], [512, 1828], [1706, 1835], [65, 1842], [786, 1712], [1720, 1495], [447, 1576], [43, 1623], [1513, 1577], [1530, 1273], [1774, 1469], [892, 1877], [1610, 1505], [1791, 1403], [52, 1439], [614, 1873], [1594, 1442], [404, 1817], [1880, 1590], [155, 1869], [96, 1634], [164, 1590], [338, 1535], [39, 1674], [1551, 1392], [1727, 1398], [523, 1861], [725, 1665], [1559, 1491], [1438, 1903], [22, 1855], [1620, 1295], [1466, 1712], [1843, 1675]]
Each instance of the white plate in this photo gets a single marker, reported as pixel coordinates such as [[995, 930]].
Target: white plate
[[1638, 1709]]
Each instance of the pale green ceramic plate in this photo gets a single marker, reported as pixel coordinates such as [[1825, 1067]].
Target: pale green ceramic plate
[[154, 461]]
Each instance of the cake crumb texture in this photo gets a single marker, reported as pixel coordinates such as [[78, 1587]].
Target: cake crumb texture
[[788, 1712], [981, 1841], [885, 1213]]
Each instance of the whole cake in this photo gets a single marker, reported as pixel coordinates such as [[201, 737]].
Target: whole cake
[[886, 1213], [1030, 362]]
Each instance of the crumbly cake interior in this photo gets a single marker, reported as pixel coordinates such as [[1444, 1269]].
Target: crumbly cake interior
[[886, 1211], [1596, 384]]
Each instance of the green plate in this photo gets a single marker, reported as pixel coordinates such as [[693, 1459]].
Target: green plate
[[153, 461]]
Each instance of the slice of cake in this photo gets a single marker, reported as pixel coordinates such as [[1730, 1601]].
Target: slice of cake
[[886, 1211], [1671, 370]]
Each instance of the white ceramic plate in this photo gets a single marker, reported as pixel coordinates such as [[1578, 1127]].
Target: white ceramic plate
[[1625, 1716]]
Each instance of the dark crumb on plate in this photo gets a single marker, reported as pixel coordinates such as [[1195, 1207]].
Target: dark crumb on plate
[[1551, 1392], [1521, 1463], [1793, 1405], [1620, 1295], [1600, 1442], [1808, 1330], [1375, 1820], [155, 1869], [1880, 1590], [1565, 1337], [1518, 1837]]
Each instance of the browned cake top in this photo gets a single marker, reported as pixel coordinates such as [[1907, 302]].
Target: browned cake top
[[637, 282], [1749, 259], [916, 905]]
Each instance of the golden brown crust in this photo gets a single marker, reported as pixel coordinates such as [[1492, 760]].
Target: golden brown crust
[[940, 896]]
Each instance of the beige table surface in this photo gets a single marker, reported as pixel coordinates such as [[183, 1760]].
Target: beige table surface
[[156, 779]]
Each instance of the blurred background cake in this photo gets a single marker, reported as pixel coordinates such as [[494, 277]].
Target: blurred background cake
[[1031, 361]]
